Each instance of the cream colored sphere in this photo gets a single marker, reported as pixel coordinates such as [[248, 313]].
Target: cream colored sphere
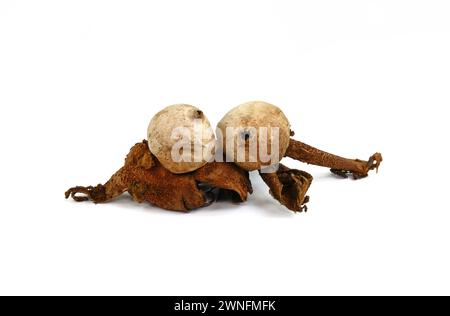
[[245, 120], [177, 126]]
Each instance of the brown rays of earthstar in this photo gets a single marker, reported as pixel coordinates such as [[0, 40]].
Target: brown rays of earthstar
[[148, 174]]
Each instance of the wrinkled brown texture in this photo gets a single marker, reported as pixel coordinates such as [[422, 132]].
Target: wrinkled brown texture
[[146, 180], [289, 187], [338, 165]]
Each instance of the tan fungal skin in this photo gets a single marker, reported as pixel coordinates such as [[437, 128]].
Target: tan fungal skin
[[161, 138], [250, 115]]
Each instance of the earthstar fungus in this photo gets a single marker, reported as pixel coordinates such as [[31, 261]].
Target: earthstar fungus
[[150, 173], [179, 125], [288, 186], [146, 180]]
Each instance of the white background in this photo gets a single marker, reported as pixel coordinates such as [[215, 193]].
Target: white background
[[80, 80]]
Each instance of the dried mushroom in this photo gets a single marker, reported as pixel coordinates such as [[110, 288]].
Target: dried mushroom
[[146, 180], [244, 129], [175, 169], [180, 129], [248, 124]]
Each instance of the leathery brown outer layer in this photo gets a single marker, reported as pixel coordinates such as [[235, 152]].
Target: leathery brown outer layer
[[338, 165], [146, 180], [289, 186]]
